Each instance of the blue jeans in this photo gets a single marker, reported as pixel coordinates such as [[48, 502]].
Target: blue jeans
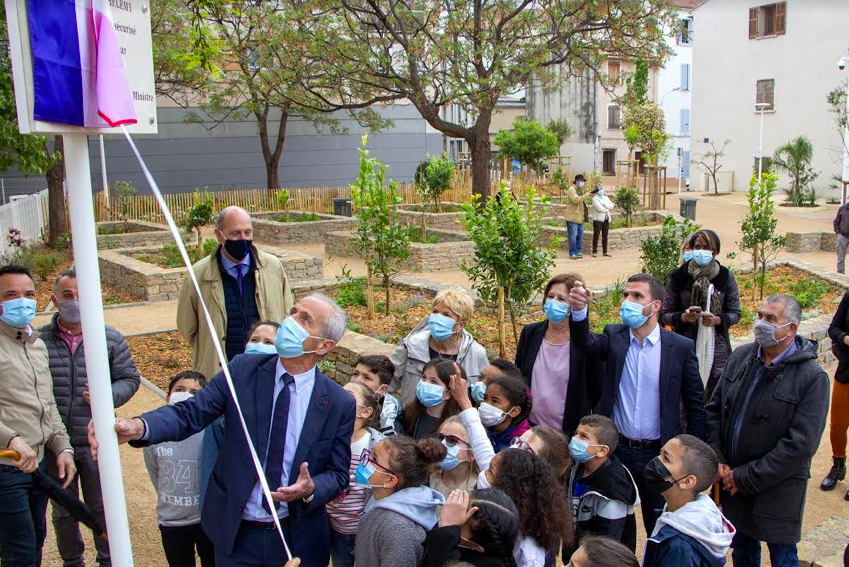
[[746, 552], [23, 518], [342, 548], [576, 237]]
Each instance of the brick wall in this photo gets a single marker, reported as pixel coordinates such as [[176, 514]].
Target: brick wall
[[267, 229]]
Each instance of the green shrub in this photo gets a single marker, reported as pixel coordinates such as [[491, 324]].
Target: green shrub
[[111, 229], [300, 217], [808, 292], [352, 291], [627, 200], [64, 242], [417, 236], [327, 367], [41, 262], [659, 254]]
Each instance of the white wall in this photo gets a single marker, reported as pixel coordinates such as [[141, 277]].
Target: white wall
[[674, 101], [803, 63]]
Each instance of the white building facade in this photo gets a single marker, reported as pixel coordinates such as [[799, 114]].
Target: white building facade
[[784, 54]]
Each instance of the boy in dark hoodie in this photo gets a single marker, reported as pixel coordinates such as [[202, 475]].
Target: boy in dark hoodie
[[376, 371], [603, 491], [691, 532]]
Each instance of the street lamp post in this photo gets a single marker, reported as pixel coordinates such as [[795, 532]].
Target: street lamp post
[[844, 65], [762, 107]]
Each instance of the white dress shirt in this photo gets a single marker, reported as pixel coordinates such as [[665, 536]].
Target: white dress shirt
[[300, 392]]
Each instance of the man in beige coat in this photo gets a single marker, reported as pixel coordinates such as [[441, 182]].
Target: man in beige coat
[[575, 209], [240, 286], [29, 423]]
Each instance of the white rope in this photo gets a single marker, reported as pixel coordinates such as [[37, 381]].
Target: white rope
[[266, 491]]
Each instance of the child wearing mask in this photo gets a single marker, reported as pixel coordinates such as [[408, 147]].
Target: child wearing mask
[[691, 532], [433, 403], [602, 491], [174, 470], [347, 509], [458, 470], [532, 485], [504, 411], [497, 367], [376, 371], [479, 528], [260, 341], [402, 509]]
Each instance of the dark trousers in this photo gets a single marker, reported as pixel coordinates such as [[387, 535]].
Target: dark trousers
[[181, 542], [602, 228], [342, 548], [69, 540], [23, 518], [746, 552], [651, 502], [257, 547]]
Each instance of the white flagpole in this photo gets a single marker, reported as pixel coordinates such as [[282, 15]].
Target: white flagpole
[[81, 206], [103, 172]]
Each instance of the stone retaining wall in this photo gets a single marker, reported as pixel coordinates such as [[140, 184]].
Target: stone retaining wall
[[449, 254], [141, 233], [617, 239], [149, 282], [352, 345], [447, 221], [802, 242], [267, 229]]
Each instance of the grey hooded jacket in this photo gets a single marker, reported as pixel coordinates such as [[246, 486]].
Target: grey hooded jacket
[[413, 353], [70, 379]]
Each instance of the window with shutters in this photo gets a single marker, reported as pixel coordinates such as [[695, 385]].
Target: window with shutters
[[685, 121], [685, 31], [685, 77], [613, 122], [768, 21], [765, 94], [613, 71], [685, 165]]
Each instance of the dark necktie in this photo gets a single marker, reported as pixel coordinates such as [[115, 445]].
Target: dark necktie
[[277, 439], [240, 275]]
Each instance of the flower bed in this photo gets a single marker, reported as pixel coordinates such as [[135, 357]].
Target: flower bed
[[125, 268], [133, 234], [452, 249], [411, 215], [268, 228]]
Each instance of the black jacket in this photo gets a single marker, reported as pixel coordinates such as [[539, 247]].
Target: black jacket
[[681, 390], [603, 504], [780, 433], [837, 331], [584, 374], [442, 547]]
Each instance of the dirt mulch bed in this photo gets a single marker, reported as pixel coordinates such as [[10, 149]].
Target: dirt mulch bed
[[159, 357], [44, 288], [804, 286]]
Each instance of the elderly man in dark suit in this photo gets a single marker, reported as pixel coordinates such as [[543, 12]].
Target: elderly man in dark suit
[[651, 387], [300, 423]]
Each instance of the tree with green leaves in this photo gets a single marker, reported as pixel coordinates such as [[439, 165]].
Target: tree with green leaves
[[454, 52], [235, 59], [433, 178], [637, 84], [628, 201], [758, 229], [529, 142], [381, 240], [836, 100], [659, 254], [644, 127], [794, 158], [199, 215], [508, 256], [284, 201], [29, 153], [561, 129], [122, 197]]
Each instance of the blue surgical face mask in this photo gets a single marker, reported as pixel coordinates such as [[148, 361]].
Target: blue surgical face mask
[[478, 390], [703, 257], [289, 342], [580, 184], [688, 255], [632, 314], [363, 474], [578, 450], [429, 394], [260, 348], [440, 326], [450, 461], [555, 310], [18, 312]]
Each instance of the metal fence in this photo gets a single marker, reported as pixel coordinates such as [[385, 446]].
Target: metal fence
[[12, 187], [26, 213]]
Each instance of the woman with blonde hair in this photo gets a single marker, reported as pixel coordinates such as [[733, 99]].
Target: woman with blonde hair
[[441, 335]]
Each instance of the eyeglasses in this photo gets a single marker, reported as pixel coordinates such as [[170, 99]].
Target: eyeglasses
[[451, 440], [375, 463], [522, 446]]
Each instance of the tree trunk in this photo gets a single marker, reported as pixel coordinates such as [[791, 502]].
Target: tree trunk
[[57, 223], [369, 293], [480, 146], [515, 325], [272, 156], [502, 350], [200, 242], [386, 283]]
